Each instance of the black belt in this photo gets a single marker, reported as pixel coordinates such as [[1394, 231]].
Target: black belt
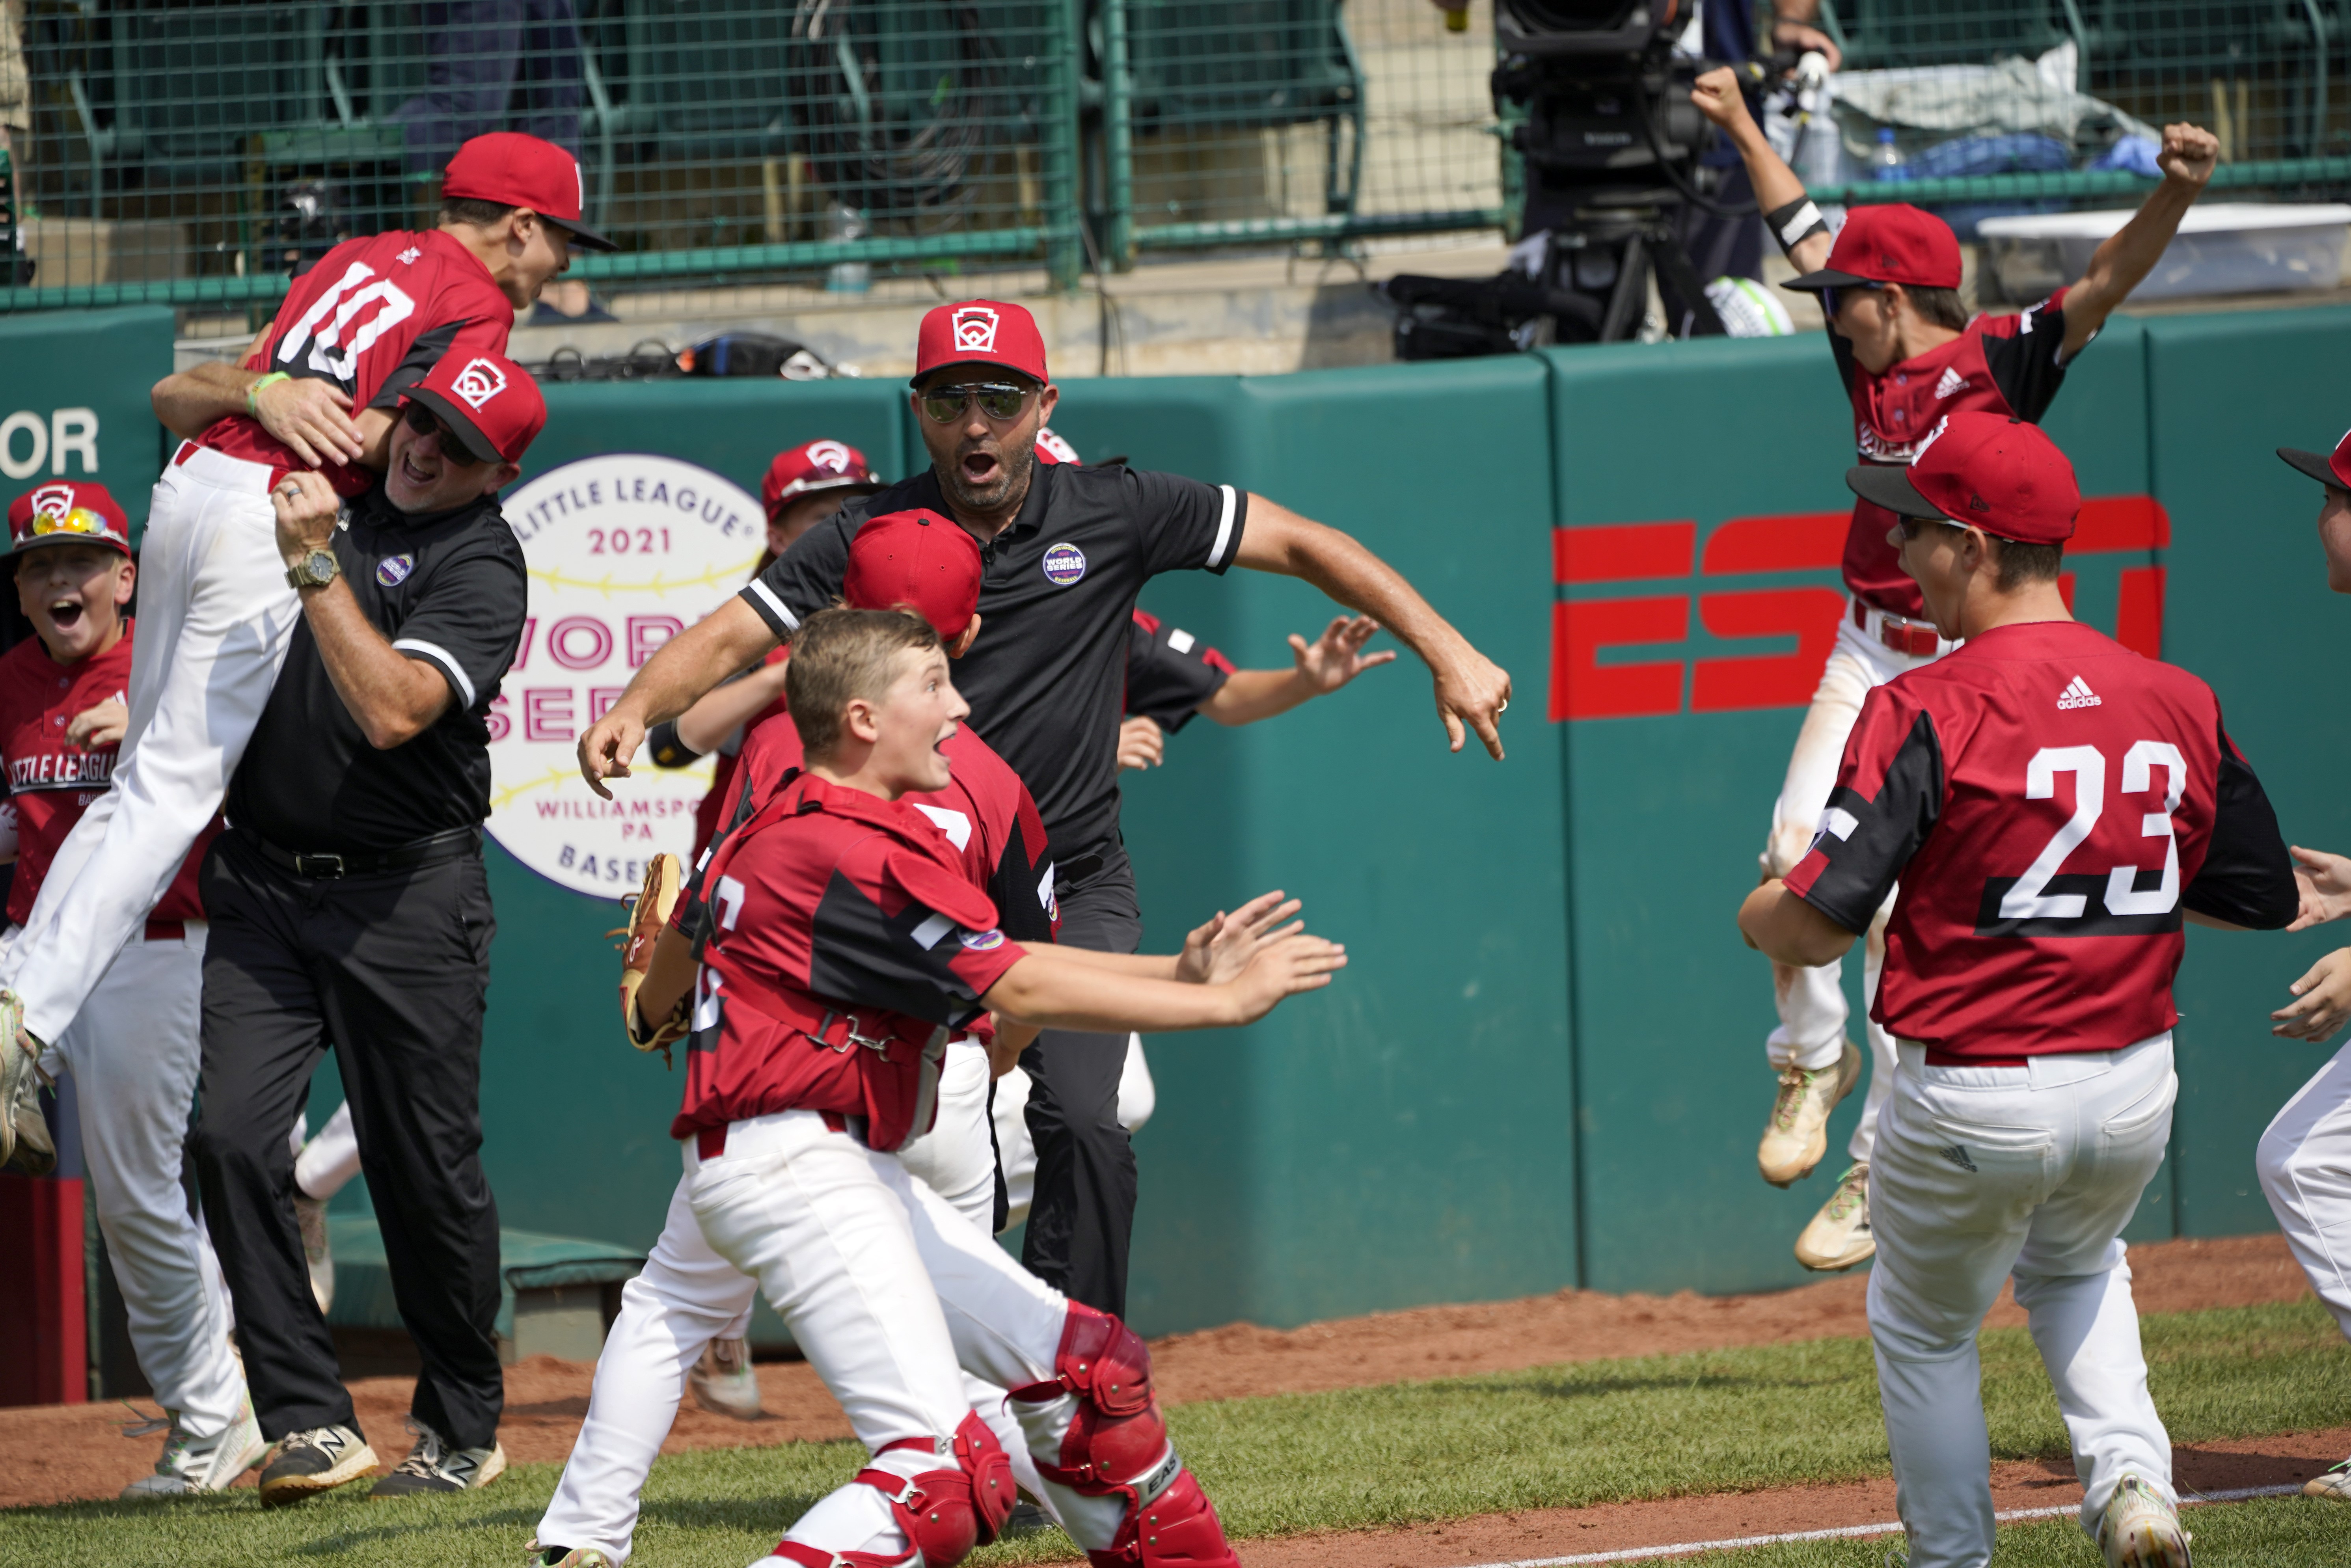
[[455, 844]]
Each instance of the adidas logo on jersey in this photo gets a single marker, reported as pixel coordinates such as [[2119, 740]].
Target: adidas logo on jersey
[[1951, 384], [2078, 694]]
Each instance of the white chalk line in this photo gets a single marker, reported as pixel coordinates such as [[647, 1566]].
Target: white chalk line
[[1685, 1548]]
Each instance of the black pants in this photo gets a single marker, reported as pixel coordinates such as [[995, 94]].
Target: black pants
[[1717, 246], [1083, 1215], [395, 969]]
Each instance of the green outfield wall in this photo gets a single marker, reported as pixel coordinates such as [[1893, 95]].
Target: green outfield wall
[[1544, 1067]]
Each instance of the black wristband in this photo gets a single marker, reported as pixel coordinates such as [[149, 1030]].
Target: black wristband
[[1795, 223], [666, 749]]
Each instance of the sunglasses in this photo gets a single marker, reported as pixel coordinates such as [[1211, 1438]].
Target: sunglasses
[[421, 420], [1000, 402], [1828, 295], [79, 521]]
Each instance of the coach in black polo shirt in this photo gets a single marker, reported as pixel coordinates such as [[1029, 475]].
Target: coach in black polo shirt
[[348, 906], [1067, 550]]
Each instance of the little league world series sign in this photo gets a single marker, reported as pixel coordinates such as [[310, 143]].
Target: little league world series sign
[[626, 550]]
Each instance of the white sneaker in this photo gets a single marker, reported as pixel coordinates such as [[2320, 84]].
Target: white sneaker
[[1797, 1135], [1839, 1236], [432, 1466], [566, 1556], [2334, 1484], [2140, 1529], [311, 1213], [189, 1466], [20, 1071], [723, 1381]]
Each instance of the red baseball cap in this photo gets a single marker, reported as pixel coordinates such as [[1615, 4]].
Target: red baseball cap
[[518, 171], [1981, 470], [919, 559], [1892, 244], [2334, 469], [1051, 448], [980, 332], [64, 512], [825, 465], [489, 401]]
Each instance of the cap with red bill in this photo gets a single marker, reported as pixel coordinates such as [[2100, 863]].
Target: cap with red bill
[[517, 171], [487, 401], [2328, 468], [919, 560], [66, 512], [1891, 244], [1981, 470]]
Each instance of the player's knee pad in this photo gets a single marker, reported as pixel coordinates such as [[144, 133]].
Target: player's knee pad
[[1117, 1440], [947, 1513]]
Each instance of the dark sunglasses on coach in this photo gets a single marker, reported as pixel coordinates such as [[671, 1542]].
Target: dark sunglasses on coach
[[998, 401], [422, 419]]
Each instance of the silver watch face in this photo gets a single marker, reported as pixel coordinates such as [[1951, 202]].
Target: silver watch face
[[319, 566]]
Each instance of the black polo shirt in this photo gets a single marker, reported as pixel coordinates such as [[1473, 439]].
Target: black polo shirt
[[1046, 678], [448, 589]]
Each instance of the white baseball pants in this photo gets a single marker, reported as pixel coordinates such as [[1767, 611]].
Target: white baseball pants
[[1138, 1096], [1982, 1173], [215, 617], [687, 1295], [2304, 1161], [1811, 1001], [134, 1051]]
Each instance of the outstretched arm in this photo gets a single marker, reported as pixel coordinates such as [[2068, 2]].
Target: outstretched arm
[[311, 416], [1471, 689], [684, 668], [2120, 264], [1718, 96], [1322, 666], [1045, 987]]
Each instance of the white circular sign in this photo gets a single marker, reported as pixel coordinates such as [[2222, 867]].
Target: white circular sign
[[626, 550]]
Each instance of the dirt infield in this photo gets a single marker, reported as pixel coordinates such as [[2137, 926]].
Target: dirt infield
[[61, 1453]]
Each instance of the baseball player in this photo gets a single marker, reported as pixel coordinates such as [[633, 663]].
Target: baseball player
[[793, 1223], [1067, 551], [134, 1051], [1908, 354], [2052, 806], [315, 391], [2305, 1156]]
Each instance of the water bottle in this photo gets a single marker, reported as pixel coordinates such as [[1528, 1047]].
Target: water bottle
[[1886, 158]]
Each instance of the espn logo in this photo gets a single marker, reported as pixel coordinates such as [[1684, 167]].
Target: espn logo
[[1590, 678]]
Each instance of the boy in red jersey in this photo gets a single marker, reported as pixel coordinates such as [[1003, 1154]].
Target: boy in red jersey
[[134, 1050], [2052, 806], [317, 390], [1908, 353]]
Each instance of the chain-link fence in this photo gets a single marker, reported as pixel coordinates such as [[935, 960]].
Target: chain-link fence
[[192, 152]]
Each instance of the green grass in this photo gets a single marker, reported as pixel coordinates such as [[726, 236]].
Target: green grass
[[2267, 1533], [1597, 1431]]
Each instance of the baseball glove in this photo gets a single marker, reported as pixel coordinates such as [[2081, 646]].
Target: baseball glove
[[648, 910]]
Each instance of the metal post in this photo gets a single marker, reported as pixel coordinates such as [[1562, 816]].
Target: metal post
[[1065, 256], [1118, 136]]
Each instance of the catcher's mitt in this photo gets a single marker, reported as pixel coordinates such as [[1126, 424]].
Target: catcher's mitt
[[648, 910]]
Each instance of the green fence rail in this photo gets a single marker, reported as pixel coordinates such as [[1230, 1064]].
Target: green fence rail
[[191, 152]]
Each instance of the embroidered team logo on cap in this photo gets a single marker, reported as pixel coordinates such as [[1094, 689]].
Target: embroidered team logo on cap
[[1064, 564], [393, 571], [53, 500], [479, 381], [829, 455], [975, 329]]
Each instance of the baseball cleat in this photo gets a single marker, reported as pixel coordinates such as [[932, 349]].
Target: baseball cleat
[[2140, 1529], [566, 1556], [311, 1214], [315, 1460], [723, 1381], [1797, 1135], [1839, 1236], [432, 1466], [2335, 1484], [189, 1466], [20, 1057]]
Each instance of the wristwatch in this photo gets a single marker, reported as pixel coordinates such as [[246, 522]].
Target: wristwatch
[[315, 570]]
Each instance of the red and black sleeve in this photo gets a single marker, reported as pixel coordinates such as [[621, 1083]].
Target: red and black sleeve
[[2247, 877], [2026, 353], [1889, 795], [907, 937]]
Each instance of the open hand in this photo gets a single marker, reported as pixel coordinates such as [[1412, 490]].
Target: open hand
[[313, 418], [1283, 968], [1221, 947], [95, 728], [1141, 744], [2190, 153], [2324, 880], [2322, 1000], [1337, 656]]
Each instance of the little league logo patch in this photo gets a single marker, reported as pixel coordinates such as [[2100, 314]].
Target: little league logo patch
[[829, 455], [53, 500], [479, 381], [1064, 564], [975, 329], [982, 941], [393, 571]]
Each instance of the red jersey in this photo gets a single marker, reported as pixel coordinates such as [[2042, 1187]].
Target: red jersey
[[846, 941], [371, 316], [710, 814], [1170, 672], [51, 783], [2051, 803], [2000, 364]]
